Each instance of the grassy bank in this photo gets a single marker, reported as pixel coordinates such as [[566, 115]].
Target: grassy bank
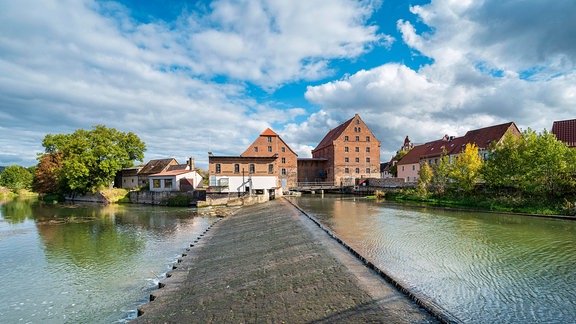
[[489, 202]]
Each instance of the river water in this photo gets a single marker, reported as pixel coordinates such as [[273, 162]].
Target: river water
[[87, 263], [479, 267]]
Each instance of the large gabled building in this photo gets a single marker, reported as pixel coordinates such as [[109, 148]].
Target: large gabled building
[[565, 131], [268, 164], [347, 152]]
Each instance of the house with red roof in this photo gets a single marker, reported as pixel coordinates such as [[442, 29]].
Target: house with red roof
[[565, 131], [347, 152], [176, 177], [451, 146], [267, 165]]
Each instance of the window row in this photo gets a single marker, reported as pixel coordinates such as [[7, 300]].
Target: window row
[[357, 138], [356, 149], [357, 160], [357, 170], [283, 149], [251, 168]]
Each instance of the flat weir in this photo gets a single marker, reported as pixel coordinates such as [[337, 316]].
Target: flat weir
[[269, 263]]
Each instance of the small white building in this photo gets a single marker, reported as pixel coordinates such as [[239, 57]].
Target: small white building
[[175, 180]]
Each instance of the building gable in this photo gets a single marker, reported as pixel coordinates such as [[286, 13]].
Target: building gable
[[565, 131]]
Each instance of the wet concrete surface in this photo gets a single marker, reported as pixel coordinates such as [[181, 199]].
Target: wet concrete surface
[[269, 263]]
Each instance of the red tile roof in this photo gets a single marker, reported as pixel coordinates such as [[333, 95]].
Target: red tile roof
[[484, 136], [155, 166], [333, 134], [268, 132], [565, 131]]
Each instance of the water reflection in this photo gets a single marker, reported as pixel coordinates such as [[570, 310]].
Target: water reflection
[[481, 267], [86, 263]]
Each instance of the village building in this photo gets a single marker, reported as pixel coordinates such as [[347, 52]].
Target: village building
[[268, 165], [565, 131], [154, 167], [347, 152], [180, 177], [431, 152]]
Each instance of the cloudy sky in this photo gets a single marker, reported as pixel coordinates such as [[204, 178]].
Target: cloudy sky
[[189, 77]]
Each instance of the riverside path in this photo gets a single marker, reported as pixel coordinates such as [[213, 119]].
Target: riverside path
[[269, 263]]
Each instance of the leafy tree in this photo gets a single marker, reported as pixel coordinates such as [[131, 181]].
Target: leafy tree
[[399, 155], [440, 173], [465, 171], [91, 159], [424, 178], [16, 177], [505, 168], [47, 175]]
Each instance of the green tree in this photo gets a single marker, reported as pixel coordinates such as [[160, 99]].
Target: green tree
[[91, 159], [505, 168], [465, 171], [16, 177], [440, 173], [399, 155], [424, 178]]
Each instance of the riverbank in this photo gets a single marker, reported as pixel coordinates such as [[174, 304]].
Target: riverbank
[[269, 263]]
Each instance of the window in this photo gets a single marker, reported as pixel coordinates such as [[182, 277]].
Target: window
[[345, 138], [156, 183], [367, 170], [357, 160], [269, 139], [283, 149], [359, 129], [270, 168], [283, 160], [346, 149], [357, 138], [346, 160], [283, 171], [367, 160], [346, 170], [218, 168], [367, 138], [236, 168], [368, 149], [251, 168], [357, 170], [168, 183], [269, 148], [413, 167], [357, 122], [255, 148], [357, 149], [402, 168]]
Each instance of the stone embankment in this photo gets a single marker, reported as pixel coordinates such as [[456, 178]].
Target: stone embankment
[[268, 263]]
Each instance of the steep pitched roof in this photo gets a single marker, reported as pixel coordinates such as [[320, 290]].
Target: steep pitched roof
[[484, 136], [156, 166], [565, 131], [333, 134], [268, 132]]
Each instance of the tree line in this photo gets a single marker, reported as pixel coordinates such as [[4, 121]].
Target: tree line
[[81, 162]]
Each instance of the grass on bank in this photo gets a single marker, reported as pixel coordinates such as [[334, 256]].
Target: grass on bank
[[482, 201]]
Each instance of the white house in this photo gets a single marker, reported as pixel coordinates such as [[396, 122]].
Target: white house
[[175, 180]]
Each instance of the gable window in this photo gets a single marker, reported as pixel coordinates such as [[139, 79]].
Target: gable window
[[357, 122], [269, 139], [269, 148], [357, 138], [345, 138], [367, 138], [218, 168], [357, 149], [402, 168], [236, 168], [270, 168], [283, 171], [251, 168], [346, 149], [283, 149], [255, 148], [283, 160]]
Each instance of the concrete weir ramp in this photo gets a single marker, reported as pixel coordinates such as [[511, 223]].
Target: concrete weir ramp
[[269, 263]]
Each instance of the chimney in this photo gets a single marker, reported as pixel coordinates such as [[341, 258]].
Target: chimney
[[191, 163]]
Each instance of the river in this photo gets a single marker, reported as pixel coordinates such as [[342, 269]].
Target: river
[[87, 263], [479, 267]]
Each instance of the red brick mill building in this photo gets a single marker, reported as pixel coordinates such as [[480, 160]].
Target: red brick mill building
[[348, 152]]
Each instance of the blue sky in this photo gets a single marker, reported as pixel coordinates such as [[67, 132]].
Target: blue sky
[[191, 77]]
